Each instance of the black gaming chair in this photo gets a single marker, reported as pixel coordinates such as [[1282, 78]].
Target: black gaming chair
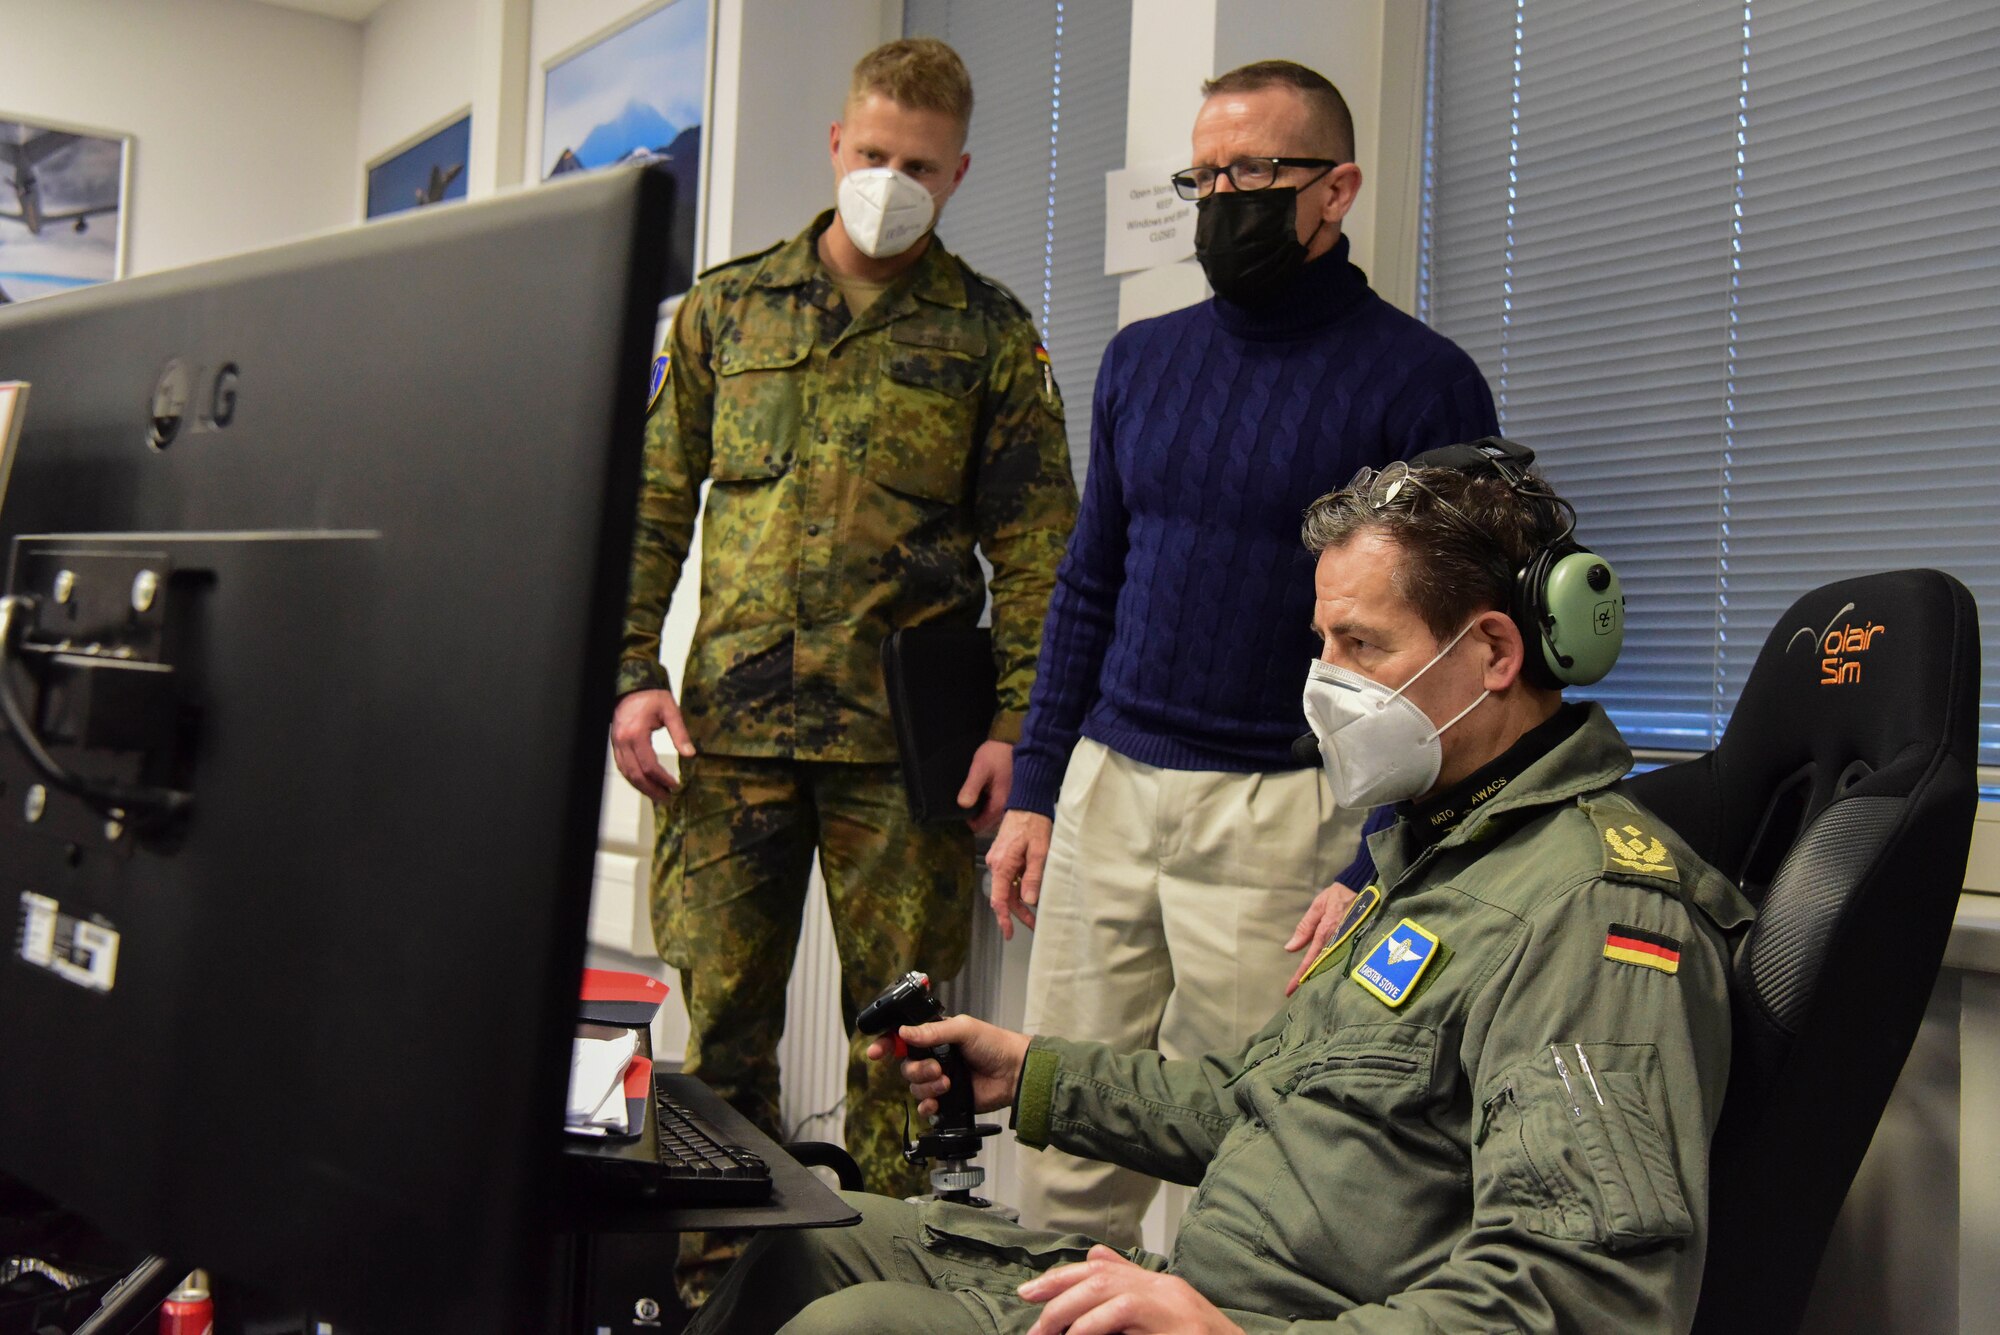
[[1841, 799]]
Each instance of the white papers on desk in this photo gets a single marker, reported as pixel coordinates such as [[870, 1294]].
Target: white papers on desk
[[13, 409], [597, 1080]]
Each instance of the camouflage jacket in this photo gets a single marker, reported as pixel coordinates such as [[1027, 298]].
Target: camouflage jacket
[[852, 466]]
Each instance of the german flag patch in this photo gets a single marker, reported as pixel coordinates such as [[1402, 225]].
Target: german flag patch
[[1633, 945], [1050, 399]]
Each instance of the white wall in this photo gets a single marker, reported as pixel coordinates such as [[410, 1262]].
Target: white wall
[[427, 62], [776, 82], [417, 74], [244, 116]]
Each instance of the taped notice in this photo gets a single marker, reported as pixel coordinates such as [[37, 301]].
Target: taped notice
[[83, 951], [1145, 223]]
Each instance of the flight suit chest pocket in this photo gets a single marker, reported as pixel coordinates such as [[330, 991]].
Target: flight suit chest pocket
[[759, 407], [1586, 1161], [927, 413], [1254, 1058], [1378, 1071]]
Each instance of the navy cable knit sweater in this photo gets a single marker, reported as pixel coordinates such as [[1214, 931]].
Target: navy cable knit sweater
[[1180, 627]]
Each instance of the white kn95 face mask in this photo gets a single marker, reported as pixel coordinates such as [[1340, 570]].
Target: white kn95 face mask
[[883, 211], [1376, 744]]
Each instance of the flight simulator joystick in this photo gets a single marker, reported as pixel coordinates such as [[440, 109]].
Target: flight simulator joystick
[[954, 1137]]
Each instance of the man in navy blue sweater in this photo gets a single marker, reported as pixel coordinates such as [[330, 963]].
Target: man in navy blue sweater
[[1159, 824]]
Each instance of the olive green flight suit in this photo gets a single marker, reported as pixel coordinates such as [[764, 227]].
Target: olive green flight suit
[[1520, 1142], [851, 465]]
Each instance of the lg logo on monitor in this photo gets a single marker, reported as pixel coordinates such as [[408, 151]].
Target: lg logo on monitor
[[171, 397]]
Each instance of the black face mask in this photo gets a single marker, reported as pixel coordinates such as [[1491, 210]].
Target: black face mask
[[1247, 243]]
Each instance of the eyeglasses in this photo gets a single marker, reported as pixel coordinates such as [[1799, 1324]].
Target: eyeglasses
[[1398, 486], [1243, 174], [1395, 486]]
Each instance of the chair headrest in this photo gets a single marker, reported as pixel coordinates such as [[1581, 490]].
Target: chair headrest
[[1853, 676], [1859, 669]]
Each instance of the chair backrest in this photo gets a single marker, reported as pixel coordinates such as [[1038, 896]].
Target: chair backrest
[[1841, 798]]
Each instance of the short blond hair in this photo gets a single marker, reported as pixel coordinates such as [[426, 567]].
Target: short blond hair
[[919, 72]]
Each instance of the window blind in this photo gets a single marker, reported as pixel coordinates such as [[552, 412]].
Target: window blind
[[1731, 270], [1049, 82]]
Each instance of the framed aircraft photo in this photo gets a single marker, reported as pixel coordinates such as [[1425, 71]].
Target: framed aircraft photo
[[637, 94], [430, 171], [62, 206]]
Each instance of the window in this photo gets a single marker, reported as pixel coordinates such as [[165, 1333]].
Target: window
[[1732, 270], [1048, 121]]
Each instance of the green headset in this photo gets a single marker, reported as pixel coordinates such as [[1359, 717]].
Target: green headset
[[1568, 602]]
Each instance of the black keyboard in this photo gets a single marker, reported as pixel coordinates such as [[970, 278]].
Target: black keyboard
[[698, 1163]]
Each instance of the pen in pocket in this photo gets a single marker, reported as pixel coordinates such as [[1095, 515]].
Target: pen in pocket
[[1588, 1074], [1563, 1071]]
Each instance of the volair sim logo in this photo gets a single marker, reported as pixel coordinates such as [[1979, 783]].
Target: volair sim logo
[[1840, 647]]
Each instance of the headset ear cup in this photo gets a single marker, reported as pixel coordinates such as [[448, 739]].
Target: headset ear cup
[[1582, 596]]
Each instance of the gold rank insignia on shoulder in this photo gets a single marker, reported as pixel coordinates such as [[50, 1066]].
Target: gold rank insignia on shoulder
[[660, 364], [1630, 849]]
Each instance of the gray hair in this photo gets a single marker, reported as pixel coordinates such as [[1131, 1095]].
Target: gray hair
[[1462, 537]]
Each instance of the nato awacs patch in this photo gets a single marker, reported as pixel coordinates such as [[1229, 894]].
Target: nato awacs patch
[[660, 364], [1649, 950], [1399, 959]]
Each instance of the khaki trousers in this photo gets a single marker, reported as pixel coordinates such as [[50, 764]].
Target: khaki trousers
[[1165, 906]]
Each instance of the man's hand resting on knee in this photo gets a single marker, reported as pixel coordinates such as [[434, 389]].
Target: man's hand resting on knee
[[1105, 1293], [994, 1056]]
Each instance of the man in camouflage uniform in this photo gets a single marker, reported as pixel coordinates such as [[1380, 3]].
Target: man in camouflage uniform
[[862, 419], [1487, 1106]]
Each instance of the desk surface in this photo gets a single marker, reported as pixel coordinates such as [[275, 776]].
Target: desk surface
[[798, 1198], [1975, 934]]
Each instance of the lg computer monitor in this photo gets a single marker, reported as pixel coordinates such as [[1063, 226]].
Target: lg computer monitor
[[318, 556]]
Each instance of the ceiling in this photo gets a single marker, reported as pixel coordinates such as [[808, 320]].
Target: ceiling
[[354, 11]]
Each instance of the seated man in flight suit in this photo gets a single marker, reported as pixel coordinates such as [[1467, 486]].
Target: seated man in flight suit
[[1489, 1104]]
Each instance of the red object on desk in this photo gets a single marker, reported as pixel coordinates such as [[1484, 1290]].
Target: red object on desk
[[188, 1310], [638, 1084], [612, 996]]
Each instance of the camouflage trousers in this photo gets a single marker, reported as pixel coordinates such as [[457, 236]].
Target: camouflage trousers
[[732, 855]]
